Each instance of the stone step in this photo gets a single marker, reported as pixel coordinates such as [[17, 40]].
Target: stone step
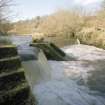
[[17, 96], [10, 64], [11, 80], [7, 51]]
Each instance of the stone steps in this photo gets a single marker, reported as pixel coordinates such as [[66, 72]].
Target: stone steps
[[14, 89], [17, 96], [9, 64], [11, 80]]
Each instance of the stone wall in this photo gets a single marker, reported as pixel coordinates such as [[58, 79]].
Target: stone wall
[[14, 89]]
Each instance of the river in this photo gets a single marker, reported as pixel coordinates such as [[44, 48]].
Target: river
[[78, 82]]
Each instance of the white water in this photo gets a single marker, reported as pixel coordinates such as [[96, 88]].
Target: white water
[[64, 88], [37, 70]]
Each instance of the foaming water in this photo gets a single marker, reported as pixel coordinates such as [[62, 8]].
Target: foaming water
[[65, 92], [37, 71], [78, 82]]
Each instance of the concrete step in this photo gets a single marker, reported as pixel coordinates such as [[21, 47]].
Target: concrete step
[[11, 80], [17, 96], [7, 51], [10, 64]]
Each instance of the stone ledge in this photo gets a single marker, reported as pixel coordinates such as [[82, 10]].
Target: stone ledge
[[53, 52], [17, 96], [12, 63], [11, 80], [7, 51]]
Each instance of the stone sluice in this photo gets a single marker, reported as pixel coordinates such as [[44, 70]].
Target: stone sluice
[[52, 52], [14, 89]]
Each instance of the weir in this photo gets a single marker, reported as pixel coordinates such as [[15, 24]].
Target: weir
[[33, 60], [53, 52], [61, 85], [36, 66]]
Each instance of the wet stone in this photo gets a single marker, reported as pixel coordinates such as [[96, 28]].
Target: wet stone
[[14, 89]]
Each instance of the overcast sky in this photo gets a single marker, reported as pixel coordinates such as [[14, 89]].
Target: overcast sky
[[26, 9]]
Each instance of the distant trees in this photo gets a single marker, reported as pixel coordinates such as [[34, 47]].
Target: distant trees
[[62, 23], [27, 26], [5, 25], [103, 4], [37, 21]]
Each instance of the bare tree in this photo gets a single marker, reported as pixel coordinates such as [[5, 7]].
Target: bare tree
[[63, 23], [102, 5], [4, 13]]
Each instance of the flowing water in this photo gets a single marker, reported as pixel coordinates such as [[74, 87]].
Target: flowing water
[[78, 82], [34, 61], [38, 70]]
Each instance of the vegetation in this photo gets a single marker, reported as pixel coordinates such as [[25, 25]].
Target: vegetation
[[60, 23], [67, 24], [5, 25]]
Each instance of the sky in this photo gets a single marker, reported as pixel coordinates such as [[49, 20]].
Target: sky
[[27, 9]]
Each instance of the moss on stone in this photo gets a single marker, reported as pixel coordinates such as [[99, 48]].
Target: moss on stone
[[11, 80], [7, 51], [14, 89], [16, 96], [10, 64], [52, 52]]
